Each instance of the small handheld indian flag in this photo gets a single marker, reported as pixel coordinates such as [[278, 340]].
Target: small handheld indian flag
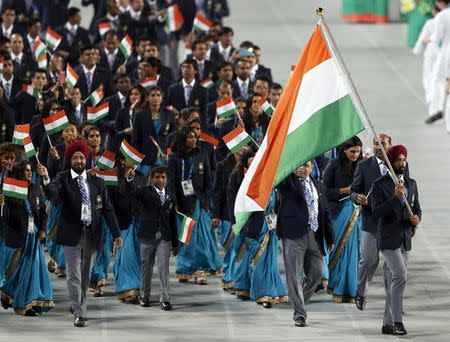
[[103, 28], [71, 76], [225, 108], [52, 39], [201, 24], [30, 90], [106, 161], [207, 84], [236, 139], [15, 188], [186, 226], [209, 139], [109, 177], [29, 147], [266, 106], [38, 48], [20, 133], [187, 50], [126, 46], [96, 96], [42, 61], [96, 113], [1, 64], [149, 81], [55, 122], [174, 18], [130, 153]]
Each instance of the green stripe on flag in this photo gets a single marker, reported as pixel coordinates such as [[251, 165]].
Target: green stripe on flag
[[239, 146], [15, 194], [227, 114]]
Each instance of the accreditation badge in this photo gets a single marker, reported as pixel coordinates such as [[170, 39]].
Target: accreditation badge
[[30, 224], [158, 235], [38, 203], [98, 202], [271, 220], [201, 169], [188, 187], [166, 130], [85, 213]]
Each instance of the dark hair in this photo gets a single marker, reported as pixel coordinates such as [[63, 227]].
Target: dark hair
[[264, 79], [224, 82], [191, 62], [48, 104], [243, 163], [185, 113], [143, 38], [223, 65], [158, 170], [119, 77], [88, 131], [197, 42], [246, 44], [110, 33], [7, 148], [348, 168], [8, 8], [32, 22], [179, 142], [86, 47], [193, 120], [38, 71], [153, 88], [4, 40], [276, 86], [71, 11], [6, 56], [18, 169], [248, 121], [154, 62], [141, 91], [226, 30]]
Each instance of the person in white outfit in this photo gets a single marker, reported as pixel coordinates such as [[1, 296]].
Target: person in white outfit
[[429, 50], [440, 37]]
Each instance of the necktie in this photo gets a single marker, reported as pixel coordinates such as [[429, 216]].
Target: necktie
[[111, 58], [187, 93], [78, 115], [309, 197], [7, 87], [201, 69], [83, 192], [17, 60], [89, 80], [384, 169], [244, 92], [162, 197]]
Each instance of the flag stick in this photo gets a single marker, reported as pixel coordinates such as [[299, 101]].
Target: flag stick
[[49, 140], [37, 158], [1, 210], [354, 94]]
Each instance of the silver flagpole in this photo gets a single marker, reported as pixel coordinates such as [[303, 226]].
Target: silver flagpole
[[354, 93]]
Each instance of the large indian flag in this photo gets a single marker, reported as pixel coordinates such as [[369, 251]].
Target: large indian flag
[[315, 113]]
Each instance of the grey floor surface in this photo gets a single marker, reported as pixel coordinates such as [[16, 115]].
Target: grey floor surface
[[388, 79]]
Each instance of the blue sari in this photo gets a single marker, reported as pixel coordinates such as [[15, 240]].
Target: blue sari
[[201, 256], [99, 272], [343, 261], [127, 265], [242, 277], [229, 257], [266, 284], [55, 251], [25, 282]]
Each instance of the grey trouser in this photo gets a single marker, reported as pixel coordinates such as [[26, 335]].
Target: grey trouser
[[395, 275], [368, 261], [160, 249], [79, 260], [302, 255]]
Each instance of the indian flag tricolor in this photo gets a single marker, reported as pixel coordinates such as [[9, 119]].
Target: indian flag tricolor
[[29, 147], [96, 113], [71, 76], [201, 24], [315, 113], [15, 188], [149, 81], [209, 139], [96, 96], [186, 226], [266, 106], [207, 84], [55, 122], [1, 64], [236, 139], [103, 28], [174, 18], [109, 177], [130, 153], [106, 161], [187, 49], [20, 133], [42, 61], [30, 90], [126, 46], [52, 39], [225, 108], [38, 48]]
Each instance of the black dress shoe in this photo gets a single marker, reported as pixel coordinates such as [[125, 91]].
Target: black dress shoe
[[166, 306], [387, 329], [300, 322], [267, 305], [360, 302], [434, 118], [5, 302], [30, 313], [144, 302], [79, 322], [399, 329]]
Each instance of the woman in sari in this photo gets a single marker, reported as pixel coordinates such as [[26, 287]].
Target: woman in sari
[[189, 183], [343, 260], [255, 120], [25, 285]]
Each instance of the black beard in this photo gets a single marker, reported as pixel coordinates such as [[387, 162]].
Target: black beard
[[78, 170], [399, 171]]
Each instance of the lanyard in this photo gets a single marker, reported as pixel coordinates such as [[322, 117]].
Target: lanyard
[[191, 168], [28, 207]]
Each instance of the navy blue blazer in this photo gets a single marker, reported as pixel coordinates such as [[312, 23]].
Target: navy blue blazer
[[221, 178], [25, 107], [119, 59], [293, 214], [175, 97], [143, 128], [367, 171], [394, 225], [101, 77]]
